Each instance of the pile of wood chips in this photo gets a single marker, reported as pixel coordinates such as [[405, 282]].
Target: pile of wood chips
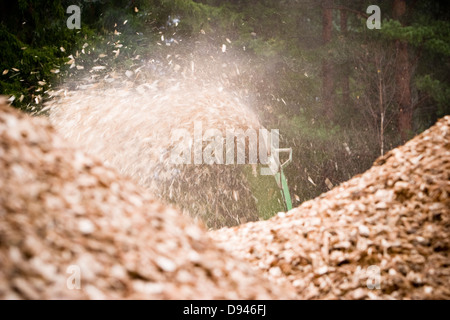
[[67, 220], [383, 234]]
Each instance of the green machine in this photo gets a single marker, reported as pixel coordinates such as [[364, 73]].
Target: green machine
[[276, 168]]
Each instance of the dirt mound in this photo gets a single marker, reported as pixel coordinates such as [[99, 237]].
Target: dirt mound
[[133, 128], [383, 234], [65, 217]]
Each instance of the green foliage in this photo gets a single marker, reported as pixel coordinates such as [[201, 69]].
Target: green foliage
[[27, 72], [30, 43], [434, 37], [439, 91]]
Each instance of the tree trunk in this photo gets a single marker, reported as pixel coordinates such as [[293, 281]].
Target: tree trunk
[[327, 66], [345, 83], [382, 112], [403, 78], [403, 90]]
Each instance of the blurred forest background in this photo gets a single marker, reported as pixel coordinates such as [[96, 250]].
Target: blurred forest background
[[340, 94]]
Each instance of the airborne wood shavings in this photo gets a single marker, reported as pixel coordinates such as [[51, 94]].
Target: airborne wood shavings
[[131, 128], [394, 217], [61, 209]]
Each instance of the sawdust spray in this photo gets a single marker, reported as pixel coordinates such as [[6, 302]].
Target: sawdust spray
[[129, 122]]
